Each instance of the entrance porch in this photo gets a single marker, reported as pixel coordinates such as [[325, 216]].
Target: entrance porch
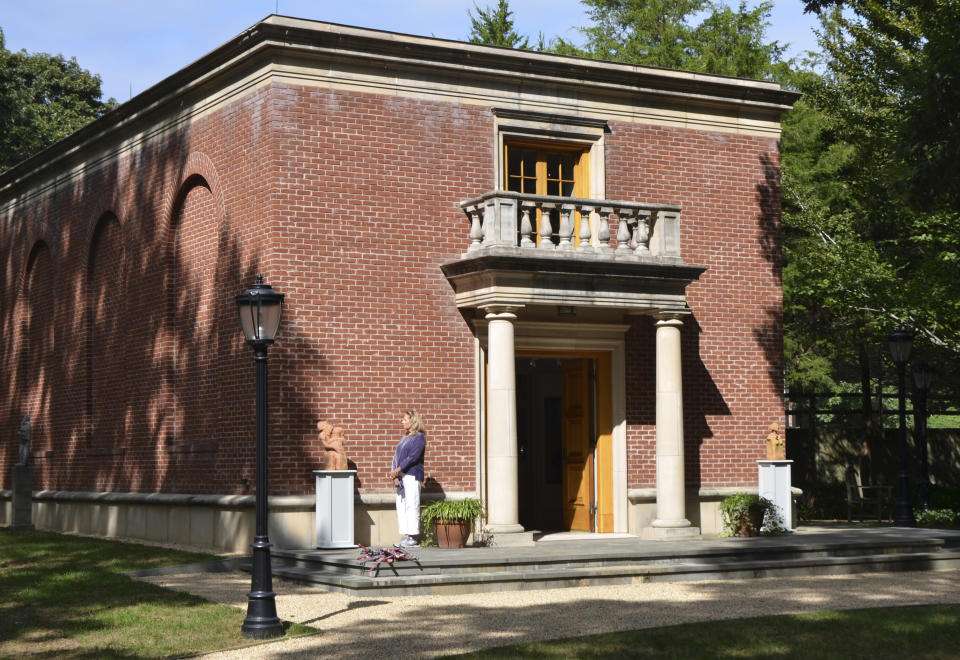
[[571, 301]]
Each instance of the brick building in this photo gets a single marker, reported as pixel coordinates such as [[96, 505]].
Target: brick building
[[570, 267]]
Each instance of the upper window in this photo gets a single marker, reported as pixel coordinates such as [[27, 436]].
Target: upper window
[[546, 169], [545, 154]]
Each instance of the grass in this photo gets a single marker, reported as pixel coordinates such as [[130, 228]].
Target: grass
[[928, 631], [64, 596]]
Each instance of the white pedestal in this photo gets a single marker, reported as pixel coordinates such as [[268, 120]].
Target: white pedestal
[[334, 527], [775, 486]]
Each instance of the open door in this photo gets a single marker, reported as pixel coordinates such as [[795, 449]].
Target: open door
[[577, 446]]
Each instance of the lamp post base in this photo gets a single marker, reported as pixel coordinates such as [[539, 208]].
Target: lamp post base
[[903, 515], [261, 621]]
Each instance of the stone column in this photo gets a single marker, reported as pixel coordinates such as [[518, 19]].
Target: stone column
[[502, 493], [671, 521]]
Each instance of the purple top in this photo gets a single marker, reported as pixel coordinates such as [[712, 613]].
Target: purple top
[[409, 455]]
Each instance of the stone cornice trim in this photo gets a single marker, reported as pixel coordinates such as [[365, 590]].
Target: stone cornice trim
[[252, 58], [364, 42]]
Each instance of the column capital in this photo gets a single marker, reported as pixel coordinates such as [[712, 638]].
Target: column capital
[[506, 312], [670, 317]]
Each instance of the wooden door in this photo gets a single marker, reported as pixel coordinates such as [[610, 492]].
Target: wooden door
[[577, 446]]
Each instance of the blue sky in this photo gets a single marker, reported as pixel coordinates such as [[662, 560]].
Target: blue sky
[[134, 44]]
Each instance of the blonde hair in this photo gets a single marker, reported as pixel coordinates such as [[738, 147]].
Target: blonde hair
[[416, 422]]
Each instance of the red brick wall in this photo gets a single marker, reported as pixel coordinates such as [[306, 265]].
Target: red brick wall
[[112, 414], [728, 186], [367, 211], [348, 203]]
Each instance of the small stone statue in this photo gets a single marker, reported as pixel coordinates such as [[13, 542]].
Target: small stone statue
[[776, 447], [331, 437], [25, 434]]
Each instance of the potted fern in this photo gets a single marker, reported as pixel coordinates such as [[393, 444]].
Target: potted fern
[[448, 522], [749, 514]]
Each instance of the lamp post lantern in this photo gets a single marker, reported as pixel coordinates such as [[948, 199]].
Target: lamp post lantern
[[260, 309], [922, 377], [900, 345]]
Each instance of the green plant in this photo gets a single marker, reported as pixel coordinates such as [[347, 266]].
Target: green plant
[[736, 508], [447, 511], [939, 518]]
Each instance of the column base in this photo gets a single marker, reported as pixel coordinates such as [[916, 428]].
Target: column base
[[508, 535], [670, 533]]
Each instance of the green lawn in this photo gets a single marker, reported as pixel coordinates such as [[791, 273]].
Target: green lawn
[[64, 596], [902, 633]]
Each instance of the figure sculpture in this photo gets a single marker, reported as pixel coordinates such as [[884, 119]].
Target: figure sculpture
[[776, 447], [334, 455], [24, 434]]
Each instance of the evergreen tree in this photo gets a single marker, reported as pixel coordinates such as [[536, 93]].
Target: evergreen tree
[[494, 27], [663, 33]]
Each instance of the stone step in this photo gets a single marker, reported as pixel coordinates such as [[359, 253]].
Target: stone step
[[430, 561], [593, 575]]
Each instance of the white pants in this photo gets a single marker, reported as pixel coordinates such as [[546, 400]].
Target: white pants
[[408, 506]]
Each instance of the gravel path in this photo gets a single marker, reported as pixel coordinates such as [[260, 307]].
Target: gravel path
[[425, 626]]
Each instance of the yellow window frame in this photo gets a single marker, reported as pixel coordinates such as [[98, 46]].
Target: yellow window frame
[[581, 172]]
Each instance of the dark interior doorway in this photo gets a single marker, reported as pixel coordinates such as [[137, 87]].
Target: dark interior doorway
[[556, 443], [540, 443]]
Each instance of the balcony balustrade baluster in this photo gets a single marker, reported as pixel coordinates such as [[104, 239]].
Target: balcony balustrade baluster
[[585, 234], [503, 221], [641, 234]]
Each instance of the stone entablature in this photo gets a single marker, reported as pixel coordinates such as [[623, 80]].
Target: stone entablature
[[337, 57]]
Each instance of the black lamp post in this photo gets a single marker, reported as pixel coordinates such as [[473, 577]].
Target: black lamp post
[[260, 310], [900, 345], [922, 376]]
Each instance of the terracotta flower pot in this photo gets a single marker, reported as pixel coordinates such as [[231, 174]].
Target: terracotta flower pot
[[751, 523], [452, 535]]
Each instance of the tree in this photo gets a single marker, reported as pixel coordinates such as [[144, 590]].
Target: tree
[[662, 33], [732, 43], [494, 27], [43, 98], [870, 156], [653, 33]]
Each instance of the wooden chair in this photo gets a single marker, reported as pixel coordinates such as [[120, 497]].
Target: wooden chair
[[871, 498]]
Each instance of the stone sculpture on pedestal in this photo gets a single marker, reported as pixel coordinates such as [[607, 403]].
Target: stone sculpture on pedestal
[[776, 447], [334, 455]]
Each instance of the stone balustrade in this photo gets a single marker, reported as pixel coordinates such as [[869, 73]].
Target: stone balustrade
[[506, 221]]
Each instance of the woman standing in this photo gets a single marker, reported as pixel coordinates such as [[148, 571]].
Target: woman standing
[[407, 474]]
